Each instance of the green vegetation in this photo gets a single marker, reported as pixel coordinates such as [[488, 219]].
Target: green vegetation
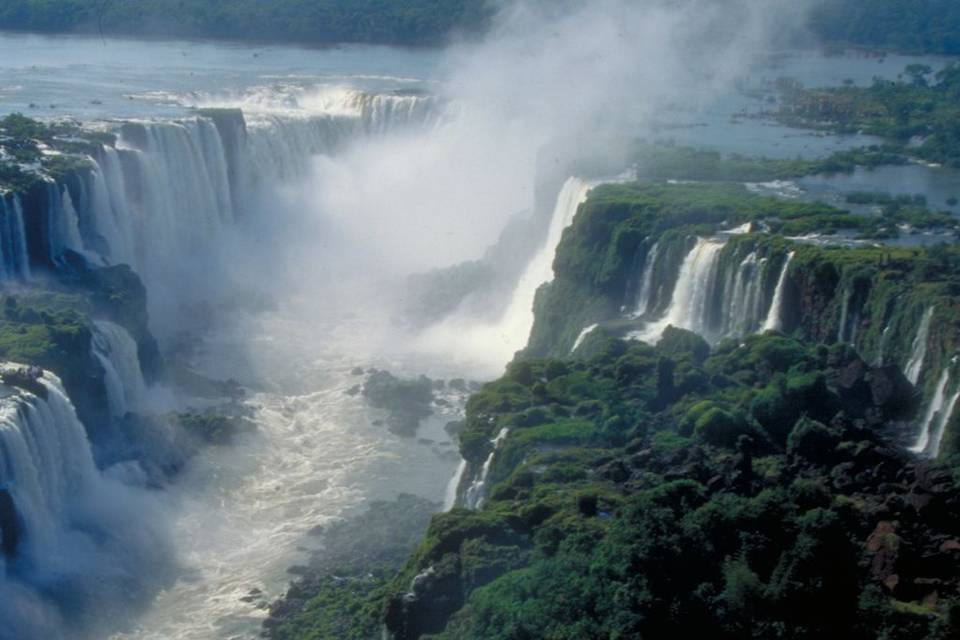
[[928, 26], [685, 163], [410, 22], [340, 594], [918, 26], [599, 255], [919, 115], [650, 492], [23, 142]]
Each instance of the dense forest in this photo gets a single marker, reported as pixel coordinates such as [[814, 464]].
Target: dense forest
[[931, 26], [917, 114], [309, 21]]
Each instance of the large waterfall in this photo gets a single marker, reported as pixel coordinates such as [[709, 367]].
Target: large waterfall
[[937, 417], [116, 351], [518, 319], [774, 321], [167, 189], [76, 532], [720, 288], [14, 260]]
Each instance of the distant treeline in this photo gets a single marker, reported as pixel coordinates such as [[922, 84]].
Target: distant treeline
[[930, 26], [918, 26], [410, 22]]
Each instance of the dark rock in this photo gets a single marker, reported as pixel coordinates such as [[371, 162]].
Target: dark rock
[[9, 525], [406, 401]]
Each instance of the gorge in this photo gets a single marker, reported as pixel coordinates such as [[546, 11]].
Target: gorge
[[267, 309]]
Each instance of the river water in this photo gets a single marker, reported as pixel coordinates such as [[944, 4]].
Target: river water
[[241, 514]]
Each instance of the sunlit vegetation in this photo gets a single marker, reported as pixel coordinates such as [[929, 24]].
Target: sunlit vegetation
[[919, 113], [647, 492]]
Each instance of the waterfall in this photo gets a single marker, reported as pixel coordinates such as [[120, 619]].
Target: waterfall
[[450, 498], [382, 113], [774, 321], [746, 297], [935, 419], [117, 353], [476, 492], [46, 462], [918, 350], [280, 149], [81, 537], [882, 347], [169, 189], [63, 222], [583, 335], [646, 287], [14, 260], [692, 294], [518, 320]]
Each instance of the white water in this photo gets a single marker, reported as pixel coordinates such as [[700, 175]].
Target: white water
[[646, 287], [496, 343], [745, 306], [116, 351], [690, 302], [14, 262], [450, 499], [518, 319], [935, 420], [882, 347], [477, 491], [774, 321], [84, 534], [583, 335], [918, 351], [63, 231]]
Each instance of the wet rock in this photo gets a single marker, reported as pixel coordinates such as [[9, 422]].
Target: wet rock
[[406, 401]]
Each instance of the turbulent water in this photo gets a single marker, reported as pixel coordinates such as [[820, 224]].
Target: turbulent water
[[87, 537], [199, 204], [116, 351]]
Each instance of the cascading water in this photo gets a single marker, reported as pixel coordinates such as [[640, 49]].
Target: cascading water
[[170, 188], [498, 341], [450, 499], [14, 260], [721, 289], [646, 287], [79, 532], [918, 350], [774, 321], [477, 491], [882, 347], [62, 224], [691, 294], [935, 420], [116, 351], [518, 319], [745, 305], [583, 336]]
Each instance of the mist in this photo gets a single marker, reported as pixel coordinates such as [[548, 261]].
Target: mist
[[551, 87], [310, 281]]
